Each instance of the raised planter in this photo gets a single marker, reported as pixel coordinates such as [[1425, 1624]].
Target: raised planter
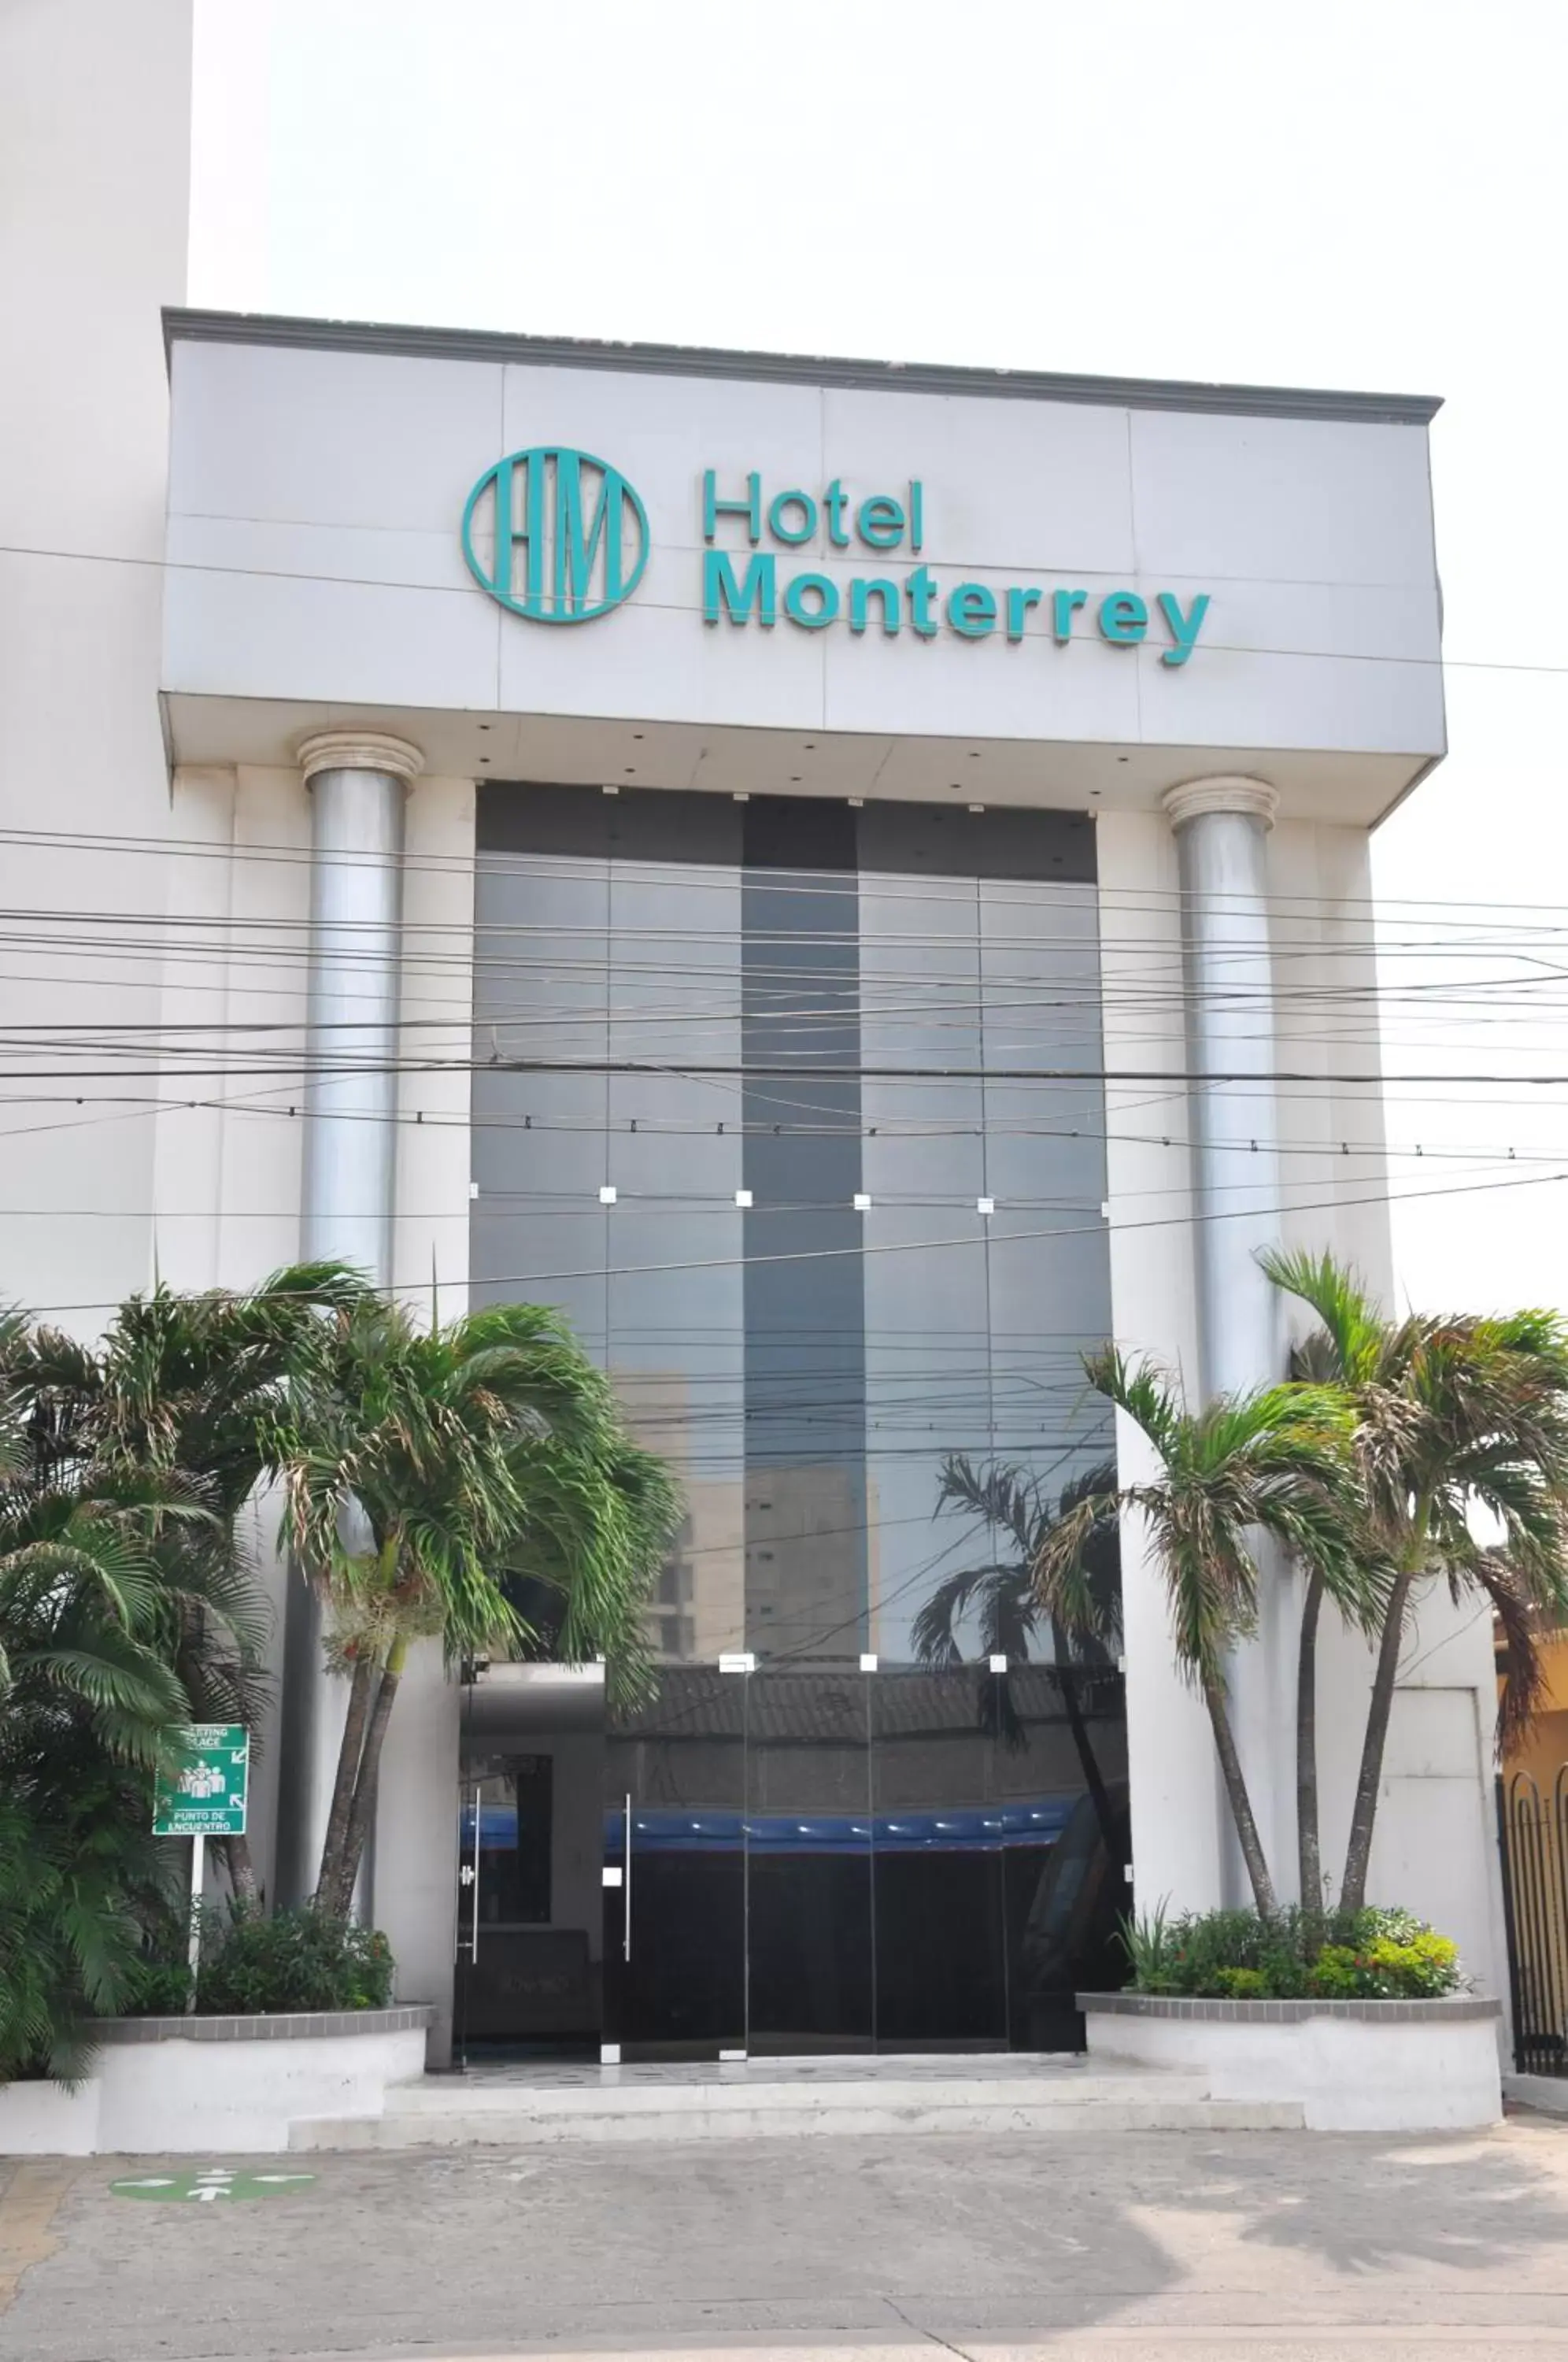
[[1352, 2065], [229, 2084]]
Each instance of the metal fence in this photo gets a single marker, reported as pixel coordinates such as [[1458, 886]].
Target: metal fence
[[1533, 1828]]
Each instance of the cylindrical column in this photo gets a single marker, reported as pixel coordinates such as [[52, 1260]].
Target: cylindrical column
[[1222, 827], [357, 781]]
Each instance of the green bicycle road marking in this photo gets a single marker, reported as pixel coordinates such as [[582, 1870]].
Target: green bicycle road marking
[[211, 2185]]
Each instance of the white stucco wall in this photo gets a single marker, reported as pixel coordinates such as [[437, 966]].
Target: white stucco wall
[[95, 106], [1435, 1848], [1436, 2074], [228, 1200], [179, 2098]]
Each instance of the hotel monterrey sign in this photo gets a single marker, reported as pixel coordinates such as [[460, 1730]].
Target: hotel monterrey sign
[[559, 537]]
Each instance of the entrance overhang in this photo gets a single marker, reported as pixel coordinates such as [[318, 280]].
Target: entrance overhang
[[629, 754]]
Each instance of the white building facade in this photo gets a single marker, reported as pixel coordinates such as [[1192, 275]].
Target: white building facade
[[839, 876]]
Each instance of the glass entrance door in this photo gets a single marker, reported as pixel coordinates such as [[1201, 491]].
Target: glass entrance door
[[675, 1870], [806, 1858], [528, 1979], [810, 1938]]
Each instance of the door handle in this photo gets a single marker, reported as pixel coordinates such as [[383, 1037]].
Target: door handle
[[474, 1922], [626, 1884]]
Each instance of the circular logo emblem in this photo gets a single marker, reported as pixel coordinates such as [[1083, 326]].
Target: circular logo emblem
[[557, 536]]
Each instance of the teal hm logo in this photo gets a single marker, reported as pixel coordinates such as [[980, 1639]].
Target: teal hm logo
[[557, 536]]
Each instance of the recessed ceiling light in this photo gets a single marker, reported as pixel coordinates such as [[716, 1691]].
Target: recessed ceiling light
[[974, 754], [810, 745], [980, 808], [484, 726], [637, 734], [856, 803], [794, 778], [631, 772]]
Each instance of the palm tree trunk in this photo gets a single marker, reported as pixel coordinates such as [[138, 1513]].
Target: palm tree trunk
[[365, 1785], [335, 1843], [1089, 1762], [242, 1872], [1358, 1852], [1240, 1803], [1309, 1839]]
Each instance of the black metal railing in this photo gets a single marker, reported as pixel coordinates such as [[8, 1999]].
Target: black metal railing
[[1532, 1825]]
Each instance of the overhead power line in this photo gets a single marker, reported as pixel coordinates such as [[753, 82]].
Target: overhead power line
[[1340, 1202]]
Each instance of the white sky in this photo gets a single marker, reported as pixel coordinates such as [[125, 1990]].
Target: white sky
[[1365, 196]]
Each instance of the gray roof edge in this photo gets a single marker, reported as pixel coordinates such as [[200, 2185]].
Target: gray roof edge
[[793, 369]]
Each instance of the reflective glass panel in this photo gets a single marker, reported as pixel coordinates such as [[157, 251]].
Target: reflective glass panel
[[675, 1860], [809, 1853], [938, 1907]]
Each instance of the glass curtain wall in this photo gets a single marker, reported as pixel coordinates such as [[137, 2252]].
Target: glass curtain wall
[[795, 1110]]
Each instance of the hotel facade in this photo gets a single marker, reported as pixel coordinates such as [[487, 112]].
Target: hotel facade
[[843, 877]]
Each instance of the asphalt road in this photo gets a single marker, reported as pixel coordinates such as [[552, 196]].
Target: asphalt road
[[1307, 2247]]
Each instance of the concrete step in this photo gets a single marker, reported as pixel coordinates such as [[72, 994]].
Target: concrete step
[[446, 2113]]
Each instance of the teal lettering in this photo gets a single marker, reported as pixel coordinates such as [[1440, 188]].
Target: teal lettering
[[972, 610], [917, 517], [878, 587], [921, 589], [779, 530], [506, 535], [820, 586], [750, 508], [1019, 602], [1063, 603], [1184, 628], [575, 547], [1123, 619], [836, 500], [720, 590], [880, 522]]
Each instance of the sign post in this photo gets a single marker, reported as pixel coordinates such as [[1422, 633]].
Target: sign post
[[203, 1793]]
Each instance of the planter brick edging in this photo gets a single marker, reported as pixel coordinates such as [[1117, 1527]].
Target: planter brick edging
[[1220, 2012], [284, 2026]]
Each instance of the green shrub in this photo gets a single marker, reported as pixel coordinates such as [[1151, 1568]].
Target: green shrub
[[1367, 1955], [1388, 1969], [252, 1964], [1242, 1984]]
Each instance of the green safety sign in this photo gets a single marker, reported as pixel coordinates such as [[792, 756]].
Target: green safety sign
[[202, 1792], [207, 2188]]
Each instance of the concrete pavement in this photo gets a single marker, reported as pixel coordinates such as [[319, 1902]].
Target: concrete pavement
[[1166, 2246]]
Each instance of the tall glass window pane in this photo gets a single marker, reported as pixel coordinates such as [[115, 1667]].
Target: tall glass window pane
[[927, 1310], [676, 1285], [805, 1344]]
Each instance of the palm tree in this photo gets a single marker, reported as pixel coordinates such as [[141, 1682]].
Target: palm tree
[[86, 1696], [421, 1469], [179, 1393], [601, 1513], [1453, 1414], [1000, 1593], [1272, 1463]]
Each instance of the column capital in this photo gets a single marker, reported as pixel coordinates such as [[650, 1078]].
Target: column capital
[[1226, 792], [359, 750]]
